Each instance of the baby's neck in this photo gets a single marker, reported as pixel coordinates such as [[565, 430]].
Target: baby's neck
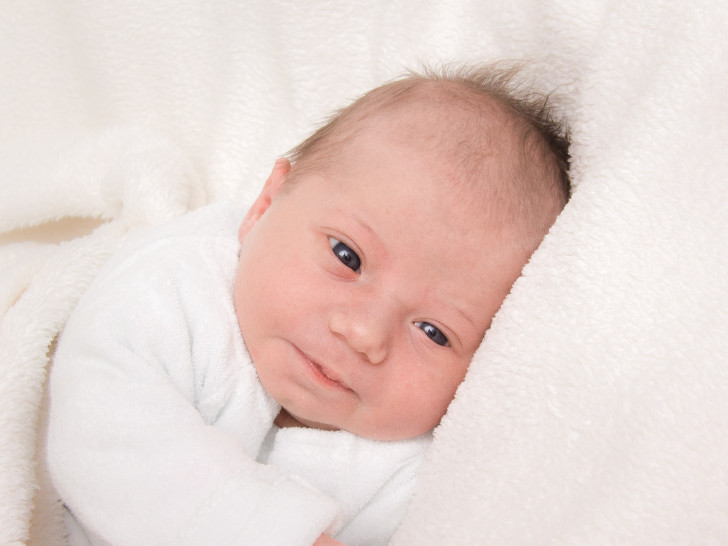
[[286, 420]]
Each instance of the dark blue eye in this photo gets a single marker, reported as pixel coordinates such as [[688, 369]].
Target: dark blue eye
[[433, 333], [345, 254]]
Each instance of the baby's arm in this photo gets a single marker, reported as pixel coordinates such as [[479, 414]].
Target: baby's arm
[[129, 448]]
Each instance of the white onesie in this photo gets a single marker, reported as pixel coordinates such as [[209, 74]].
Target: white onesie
[[160, 432]]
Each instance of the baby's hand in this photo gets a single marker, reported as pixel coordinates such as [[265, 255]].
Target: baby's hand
[[326, 540]]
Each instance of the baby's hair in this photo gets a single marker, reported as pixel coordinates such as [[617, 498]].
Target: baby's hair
[[481, 101]]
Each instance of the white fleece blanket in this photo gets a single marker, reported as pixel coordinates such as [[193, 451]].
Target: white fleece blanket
[[596, 410]]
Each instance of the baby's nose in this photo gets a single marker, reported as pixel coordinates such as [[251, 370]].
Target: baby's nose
[[363, 331]]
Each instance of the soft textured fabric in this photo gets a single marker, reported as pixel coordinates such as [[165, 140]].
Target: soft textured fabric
[[596, 411], [157, 416], [372, 481]]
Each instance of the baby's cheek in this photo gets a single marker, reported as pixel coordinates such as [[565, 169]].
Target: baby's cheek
[[441, 395], [422, 406]]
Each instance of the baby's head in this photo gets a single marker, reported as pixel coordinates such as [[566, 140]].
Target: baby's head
[[373, 262]]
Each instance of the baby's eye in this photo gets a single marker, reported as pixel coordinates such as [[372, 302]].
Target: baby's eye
[[345, 254], [433, 333]]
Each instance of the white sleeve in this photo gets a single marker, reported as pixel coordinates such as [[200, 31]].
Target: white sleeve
[[136, 446]]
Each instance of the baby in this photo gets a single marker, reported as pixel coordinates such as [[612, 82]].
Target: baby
[[274, 377]]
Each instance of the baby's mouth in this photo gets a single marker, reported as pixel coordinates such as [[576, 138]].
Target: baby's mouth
[[326, 374]]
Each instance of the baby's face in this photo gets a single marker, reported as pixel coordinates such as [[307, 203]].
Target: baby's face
[[364, 289]]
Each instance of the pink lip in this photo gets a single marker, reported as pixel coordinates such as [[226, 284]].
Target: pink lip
[[324, 375]]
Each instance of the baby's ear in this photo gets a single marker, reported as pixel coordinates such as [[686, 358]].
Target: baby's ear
[[270, 191]]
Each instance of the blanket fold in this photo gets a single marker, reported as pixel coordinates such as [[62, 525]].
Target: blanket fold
[[118, 176]]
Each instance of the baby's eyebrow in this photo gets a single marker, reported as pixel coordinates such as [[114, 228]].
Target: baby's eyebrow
[[366, 231], [464, 315], [362, 224], [463, 338], [348, 214]]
